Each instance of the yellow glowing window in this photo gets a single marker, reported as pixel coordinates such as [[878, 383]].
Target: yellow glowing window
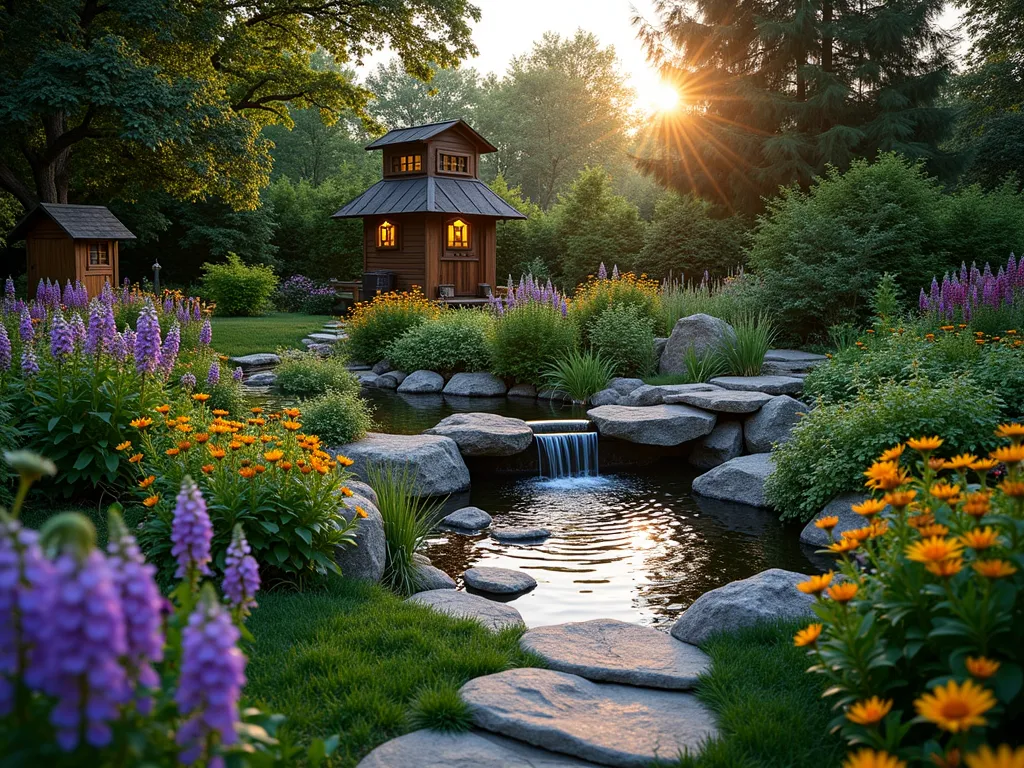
[[406, 163], [454, 164], [458, 234], [386, 235]]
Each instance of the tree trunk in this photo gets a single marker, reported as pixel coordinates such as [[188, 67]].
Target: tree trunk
[[826, 37]]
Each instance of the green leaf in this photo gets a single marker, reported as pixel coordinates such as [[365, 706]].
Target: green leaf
[[83, 460], [52, 423], [305, 535], [112, 461], [269, 527]]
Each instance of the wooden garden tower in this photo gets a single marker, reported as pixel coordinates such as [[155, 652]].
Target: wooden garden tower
[[430, 221]]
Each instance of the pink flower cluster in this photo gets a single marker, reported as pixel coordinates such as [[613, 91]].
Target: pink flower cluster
[[962, 293]]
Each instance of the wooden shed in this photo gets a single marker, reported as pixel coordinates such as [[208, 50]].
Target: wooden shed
[[71, 242], [431, 221]]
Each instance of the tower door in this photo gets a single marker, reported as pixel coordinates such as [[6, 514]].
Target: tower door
[[460, 256]]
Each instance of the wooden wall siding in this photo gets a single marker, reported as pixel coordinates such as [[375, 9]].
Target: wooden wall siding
[[408, 260], [50, 254], [467, 269], [397, 150], [93, 278], [452, 142]]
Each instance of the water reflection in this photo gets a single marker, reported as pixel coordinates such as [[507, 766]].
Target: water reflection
[[632, 547]]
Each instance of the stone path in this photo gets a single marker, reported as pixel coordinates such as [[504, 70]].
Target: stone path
[[491, 614]]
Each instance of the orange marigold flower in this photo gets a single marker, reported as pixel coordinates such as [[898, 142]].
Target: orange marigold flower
[[172, 451], [981, 667], [135, 459], [1009, 454], [200, 397], [201, 437], [816, 584], [345, 461], [257, 422], [871, 507], [984, 465], [954, 707], [234, 445], [291, 426], [843, 593], [260, 469], [285, 465], [885, 476], [808, 635], [960, 461], [208, 468], [1012, 429], [858, 534], [256, 410], [946, 568], [925, 444], [977, 504], [345, 490], [869, 758], [266, 438], [361, 512], [217, 453], [123, 446], [945, 491], [878, 528], [1014, 488], [163, 409], [184, 428], [219, 412], [151, 501], [869, 711], [994, 569], [898, 499], [933, 529], [933, 549], [141, 423], [920, 521], [1004, 757], [892, 454], [981, 538], [184, 445], [246, 439], [826, 523], [843, 546], [247, 472], [293, 413], [274, 455], [305, 469], [148, 481]]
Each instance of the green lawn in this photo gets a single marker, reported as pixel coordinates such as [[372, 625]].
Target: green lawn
[[234, 336], [355, 660]]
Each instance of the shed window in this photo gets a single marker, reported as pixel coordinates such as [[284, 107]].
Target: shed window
[[458, 234], [406, 163], [454, 163], [99, 255], [386, 235]]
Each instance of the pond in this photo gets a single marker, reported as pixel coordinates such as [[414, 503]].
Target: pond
[[631, 546]]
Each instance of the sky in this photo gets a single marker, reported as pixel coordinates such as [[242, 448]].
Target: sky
[[508, 28]]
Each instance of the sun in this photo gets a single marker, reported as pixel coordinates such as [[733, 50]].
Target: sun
[[662, 97]]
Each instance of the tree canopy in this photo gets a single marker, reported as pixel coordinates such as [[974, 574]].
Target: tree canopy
[[127, 95]]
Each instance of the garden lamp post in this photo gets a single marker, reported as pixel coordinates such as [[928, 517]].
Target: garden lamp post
[[156, 277]]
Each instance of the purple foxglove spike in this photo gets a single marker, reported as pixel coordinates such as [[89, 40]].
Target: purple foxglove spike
[[62, 338], [29, 366], [25, 329], [118, 348], [77, 328], [602, 272], [987, 274], [197, 311], [922, 301], [41, 291], [191, 533], [963, 272], [206, 334], [147, 340], [5, 349], [213, 375], [94, 333], [169, 349], [241, 573]]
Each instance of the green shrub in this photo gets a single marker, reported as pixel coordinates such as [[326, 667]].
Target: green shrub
[[408, 521], [580, 375], [625, 338], [337, 417], [526, 339], [684, 240], [454, 341], [743, 352], [306, 374], [832, 444], [239, 289], [596, 295], [372, 326]]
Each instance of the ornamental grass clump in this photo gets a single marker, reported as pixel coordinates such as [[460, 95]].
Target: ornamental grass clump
[[919, 626], [580, 375], [373, 325], [98, 668], [743, 351]]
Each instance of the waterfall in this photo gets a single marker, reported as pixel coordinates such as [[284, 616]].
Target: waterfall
[[565, 449]]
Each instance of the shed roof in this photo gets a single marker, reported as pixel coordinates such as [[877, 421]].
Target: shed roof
[[429, 131], [429, 194], [80, 222]]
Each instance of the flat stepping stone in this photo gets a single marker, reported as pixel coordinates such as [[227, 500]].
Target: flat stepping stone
[[357, 367], [792, 356], [475, 749], [261, 379], [462, 605], [770, 385], [498, 581], [485, 434], [608, 650], [652, 425], [328, 338], [723, 401], [517, 533], [258, 360], [467, 519], [740, 480], [617, 725]]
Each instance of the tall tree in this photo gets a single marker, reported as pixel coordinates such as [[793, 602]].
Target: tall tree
[[126, 95], [775, 91], [561, 107], [402, 99]]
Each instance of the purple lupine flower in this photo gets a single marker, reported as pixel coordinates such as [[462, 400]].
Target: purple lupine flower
[[9, 288], [25, 329], [142, 605], [107, 293], [118, 349], [602, 272], [169, 350], [213, 376], [5, 349], [26, 599], [168, 305], [210, 684], [191, 533], [241, 573], [188, 382], [147, 340], [206, 333], [94, 333], [29, 366], [128, 336], [62, 338], [237, 374], [41, 290], [197, 312], [77, 328], [79, 654]]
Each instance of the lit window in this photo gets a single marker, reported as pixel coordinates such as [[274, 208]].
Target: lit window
[[99, 256], [386, 235], [406, 163], [458, 234], [454, 164]]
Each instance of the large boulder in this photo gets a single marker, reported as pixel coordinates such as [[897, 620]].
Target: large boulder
[[525, 391], [772, 424], [655, 394], [770, 385], [740, 480], [624, 386], [475, 385], [848, 520], [422, 382], [767, 596], [429, 578], [493, 615], [467, 519], [391, 380], [434, 461], [654, 425], [359, 488], [382, 367], [606, 397], [485, 434], [257, 360], [722, 401], [366, 558], [723, 444], [701, 333]]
